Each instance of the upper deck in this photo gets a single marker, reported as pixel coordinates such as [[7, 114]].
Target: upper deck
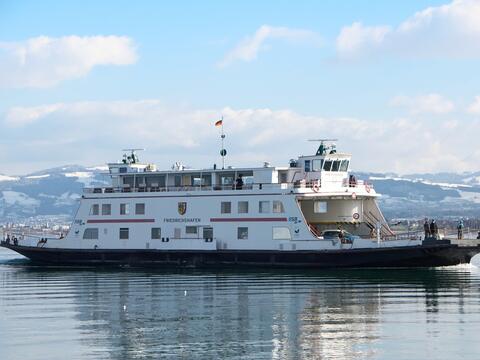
[[325, 172]]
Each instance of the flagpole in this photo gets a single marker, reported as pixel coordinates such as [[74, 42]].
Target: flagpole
[[223, 152]]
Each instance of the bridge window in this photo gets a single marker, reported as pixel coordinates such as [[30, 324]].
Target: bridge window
[[124, 210], [344, 166], [307, 166], [106, 209], [264, 207], [319, 207], [243, 207], [140, 209], [278, 207], [90, 234], [281, 233], [94, 209], [156, 233], [242, 233], [327, 165], [226, 207], [123, 234], [336, 165], [317, 164]]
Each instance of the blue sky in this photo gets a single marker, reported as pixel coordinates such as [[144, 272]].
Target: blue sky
[[396, 82]]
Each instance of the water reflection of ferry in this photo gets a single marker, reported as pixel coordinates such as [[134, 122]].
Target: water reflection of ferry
[[236, 314], [271, 216]]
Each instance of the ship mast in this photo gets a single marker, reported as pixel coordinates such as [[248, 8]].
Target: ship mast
[[223, 152]]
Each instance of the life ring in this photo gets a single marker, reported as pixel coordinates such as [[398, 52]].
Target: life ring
[[367, 188], [356, 216], [354, 195], [316, 187]]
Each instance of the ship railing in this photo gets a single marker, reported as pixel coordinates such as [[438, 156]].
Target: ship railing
[[149, 189], [30, 237]]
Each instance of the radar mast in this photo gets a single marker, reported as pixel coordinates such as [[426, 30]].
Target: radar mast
[[326, 146], [130, 156]]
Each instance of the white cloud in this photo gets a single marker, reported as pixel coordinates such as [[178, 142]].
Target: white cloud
[[95, 132], [247, 50], [424, 104], [447, 31], [353, 38], [474, 108], [44, 61]]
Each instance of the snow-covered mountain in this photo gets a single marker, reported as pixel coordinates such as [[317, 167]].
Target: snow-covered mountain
[[55, 192], [50, 192]]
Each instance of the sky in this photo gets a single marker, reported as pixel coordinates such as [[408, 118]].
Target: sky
[[397, 83]]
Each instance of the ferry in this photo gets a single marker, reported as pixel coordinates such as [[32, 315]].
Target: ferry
[[310, 213]]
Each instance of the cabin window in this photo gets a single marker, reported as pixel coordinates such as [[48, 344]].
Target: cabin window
[[317, 164], [264, 207], [123, 234], [307, 166], [278, 207], [177, 181], [281, 233], [226, 207], [344, 165], [122, 170], [336, 165], [242, 233], [106, 209], [191, 230], [319, 207], [155, 181], [139, 209], [156, 233], [197, 181], [94, 209], [243, 207], [327, 165], [128, 180], [90, 234], [124, 210]]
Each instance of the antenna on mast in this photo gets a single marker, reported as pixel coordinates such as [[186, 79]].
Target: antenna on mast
[[322, 149], [132, 158]]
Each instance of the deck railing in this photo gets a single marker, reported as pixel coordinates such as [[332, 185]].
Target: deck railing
[[315, 185]]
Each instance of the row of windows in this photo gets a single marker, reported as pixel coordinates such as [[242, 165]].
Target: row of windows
[[278, 233], [106, 209], [92, 233], [264, 207], [327, 165]]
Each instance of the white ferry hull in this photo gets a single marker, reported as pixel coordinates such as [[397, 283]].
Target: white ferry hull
[[407, 256]]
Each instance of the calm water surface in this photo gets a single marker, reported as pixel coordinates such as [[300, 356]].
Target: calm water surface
[[83, 313]]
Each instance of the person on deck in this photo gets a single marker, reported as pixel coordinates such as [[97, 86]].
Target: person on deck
[[426, 228], [239, 182]]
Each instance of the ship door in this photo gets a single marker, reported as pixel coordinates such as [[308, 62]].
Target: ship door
[[177, 233], [208, 233]]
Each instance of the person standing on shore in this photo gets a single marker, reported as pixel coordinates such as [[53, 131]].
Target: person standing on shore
[[433, 228], [426, 228], [460, 229]]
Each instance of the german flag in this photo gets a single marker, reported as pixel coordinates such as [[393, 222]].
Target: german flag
[[219, 123]]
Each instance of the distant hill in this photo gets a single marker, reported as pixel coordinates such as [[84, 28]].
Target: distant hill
[[54, 193]]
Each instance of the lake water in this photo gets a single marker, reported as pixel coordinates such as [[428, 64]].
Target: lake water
[[121, 313]]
